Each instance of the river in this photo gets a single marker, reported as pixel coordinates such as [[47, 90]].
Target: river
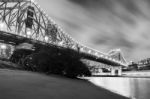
[[137, 88]]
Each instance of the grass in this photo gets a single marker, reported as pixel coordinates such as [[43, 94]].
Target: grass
[[16, 84], [19, 84], [9, 65]]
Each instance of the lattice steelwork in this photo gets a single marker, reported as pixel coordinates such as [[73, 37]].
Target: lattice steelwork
[[13, 18], [118, 55], [26, 18]]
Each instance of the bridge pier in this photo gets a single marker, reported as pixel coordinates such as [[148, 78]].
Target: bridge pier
[[116, 71], [120, 71], [112, 72]]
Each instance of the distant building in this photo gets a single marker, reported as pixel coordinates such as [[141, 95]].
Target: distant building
[[133, 66], [144, 64]]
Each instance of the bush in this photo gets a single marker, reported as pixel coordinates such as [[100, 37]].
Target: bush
[[19, 54], [63, 62], [36, 62]]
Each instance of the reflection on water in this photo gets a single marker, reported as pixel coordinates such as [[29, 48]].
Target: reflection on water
[[131, 87]]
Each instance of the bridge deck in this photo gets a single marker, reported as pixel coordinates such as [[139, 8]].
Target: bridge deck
[[13, 39]]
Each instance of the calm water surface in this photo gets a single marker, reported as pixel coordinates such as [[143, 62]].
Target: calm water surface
[[137, 88]]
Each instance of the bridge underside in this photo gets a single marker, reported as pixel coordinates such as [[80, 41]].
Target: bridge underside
[[25, 22], [16, 40]]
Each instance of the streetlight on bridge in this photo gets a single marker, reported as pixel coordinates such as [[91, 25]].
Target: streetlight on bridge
[[2, 50], [29, 32], [46, 38], [3, 46], [2, 26]]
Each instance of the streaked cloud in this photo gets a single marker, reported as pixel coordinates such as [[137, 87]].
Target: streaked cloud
[[105, 24]]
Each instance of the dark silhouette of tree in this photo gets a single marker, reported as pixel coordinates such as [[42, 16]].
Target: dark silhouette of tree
[[57, 61], [19, 54]]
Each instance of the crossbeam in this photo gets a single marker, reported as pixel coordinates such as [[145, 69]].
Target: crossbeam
[[14, 0], [17, 19]]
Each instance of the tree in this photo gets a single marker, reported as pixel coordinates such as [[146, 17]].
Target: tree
[[19, 54], [57, 61]]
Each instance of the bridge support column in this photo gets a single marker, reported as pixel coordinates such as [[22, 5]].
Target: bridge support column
[[116, 71], [112, 71], [119, 71]]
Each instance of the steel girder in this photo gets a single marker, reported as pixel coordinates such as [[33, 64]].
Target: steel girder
[[13, 17]]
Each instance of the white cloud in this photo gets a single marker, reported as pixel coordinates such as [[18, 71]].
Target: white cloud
[[105, 24]]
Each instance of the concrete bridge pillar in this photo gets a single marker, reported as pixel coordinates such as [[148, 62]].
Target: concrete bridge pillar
[[112, 72], [119, 72], [116, 71]]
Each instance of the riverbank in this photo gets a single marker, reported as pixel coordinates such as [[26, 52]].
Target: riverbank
[[136, 88], [16, 84], [137, 74], [128, 74], [9, 65]]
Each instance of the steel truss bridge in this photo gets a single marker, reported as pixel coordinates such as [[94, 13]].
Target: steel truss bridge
[[24, 21]]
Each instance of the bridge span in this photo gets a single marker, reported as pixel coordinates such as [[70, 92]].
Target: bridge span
[[23, 21]]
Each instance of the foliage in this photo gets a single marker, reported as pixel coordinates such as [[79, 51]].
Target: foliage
[[57, 61], [19, 54]]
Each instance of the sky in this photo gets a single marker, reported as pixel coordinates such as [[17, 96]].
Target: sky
[[105, 24]]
